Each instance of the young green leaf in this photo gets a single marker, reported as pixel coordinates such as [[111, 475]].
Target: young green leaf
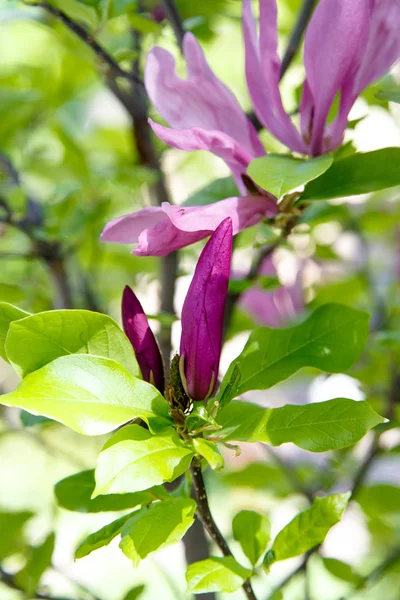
[[102, 537], [225, 187], [89, 394], [75, 493], [156, 527], [39, 560], [252, 531], [8, 314], [11, 525], [318, 427], [134, 460], [216, 575], [281, 173], [56, 333], [357, 174], [341, 570], [135, 593], [331, 339], [210, 452], [309, 528]]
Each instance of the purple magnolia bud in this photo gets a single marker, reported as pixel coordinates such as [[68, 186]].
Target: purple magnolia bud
[[158, 13], [203, 315], [137, 330]]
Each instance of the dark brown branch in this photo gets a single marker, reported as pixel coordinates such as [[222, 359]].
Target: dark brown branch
[[203, 510], [297, 35], [86, 37], [172, 14]]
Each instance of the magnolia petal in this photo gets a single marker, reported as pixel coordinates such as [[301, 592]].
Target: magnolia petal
[[334, 44], [137, 330], [203, 314]]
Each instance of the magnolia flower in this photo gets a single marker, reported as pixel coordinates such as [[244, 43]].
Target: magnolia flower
[[202, 321], [137, 330], [160, 230], [277, 307], [203, 315], [202, 112], [348, 45]]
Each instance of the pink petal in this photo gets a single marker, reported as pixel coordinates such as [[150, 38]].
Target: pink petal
[[220, 144], [126, 229], [263, 72], [334, 44], [201, 102], [383, 48], [160, 231]]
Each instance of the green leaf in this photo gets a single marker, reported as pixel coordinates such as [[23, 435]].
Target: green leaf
[[38, 562], [318, 427], [156, 527], [216, 575], [91, 395], [78, 11], [391, 94], [341, 570], [219, 189], [309, 528], [8, 314], [11, 525], [210, 452], [144, 25], [281, 173], [135, 592], [75, 492], [56, 333], [379, 500], [102, 537], [331, 339], [200, 418], [259, 476], [357, 174], [253, 532], [229, 388], [134, 460]]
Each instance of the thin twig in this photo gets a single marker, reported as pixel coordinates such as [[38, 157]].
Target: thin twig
[[297, 35], [377, 573], [172, 14], [10, 581], [203, 510], [86, 37]]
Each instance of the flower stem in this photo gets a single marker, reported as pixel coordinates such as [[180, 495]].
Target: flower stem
[[210, 525]]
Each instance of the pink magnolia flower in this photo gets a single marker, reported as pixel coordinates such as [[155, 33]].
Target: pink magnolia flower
[[273, 308], [348, 45], [202, 112], [162, 229], [203, 315]]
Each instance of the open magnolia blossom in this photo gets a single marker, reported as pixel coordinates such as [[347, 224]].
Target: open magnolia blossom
[[273, 308], [159, 230], [348, 45], [202, 321]]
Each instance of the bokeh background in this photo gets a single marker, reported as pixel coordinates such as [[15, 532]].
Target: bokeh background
[[67, 143]]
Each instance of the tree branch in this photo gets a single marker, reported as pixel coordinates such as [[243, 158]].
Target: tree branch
[[203, 510], [297, 35], [10, 581], [172, 14], [86, 37]]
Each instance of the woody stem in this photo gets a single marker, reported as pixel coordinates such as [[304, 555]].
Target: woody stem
[[204, 513]]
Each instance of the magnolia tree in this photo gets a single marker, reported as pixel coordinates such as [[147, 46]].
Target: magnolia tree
[[166, 418]]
